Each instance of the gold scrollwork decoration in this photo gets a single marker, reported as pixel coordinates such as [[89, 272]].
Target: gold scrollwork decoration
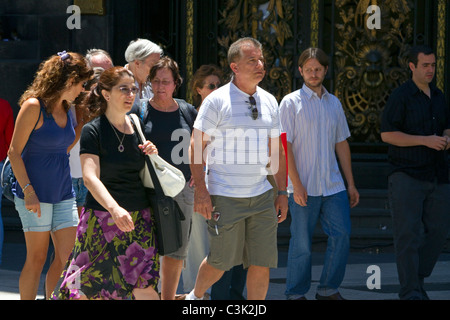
[[271, 23], [189, 46], [440, 54], [370, 63], [314, 23]]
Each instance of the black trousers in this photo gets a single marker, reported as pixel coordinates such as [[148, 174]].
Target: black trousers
[[421, 222]]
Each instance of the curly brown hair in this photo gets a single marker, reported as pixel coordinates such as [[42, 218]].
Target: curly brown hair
[[53, 76]]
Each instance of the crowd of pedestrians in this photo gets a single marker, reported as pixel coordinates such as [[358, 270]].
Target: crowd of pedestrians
[[77, 159]]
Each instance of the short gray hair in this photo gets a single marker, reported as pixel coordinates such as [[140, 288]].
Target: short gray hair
[[235, 51], [140, 49], [96, 52]]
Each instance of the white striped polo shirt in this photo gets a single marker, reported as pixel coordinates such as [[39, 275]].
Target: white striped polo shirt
[[238, 153]]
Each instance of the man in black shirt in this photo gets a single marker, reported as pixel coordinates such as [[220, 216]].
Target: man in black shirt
[[416, 125]]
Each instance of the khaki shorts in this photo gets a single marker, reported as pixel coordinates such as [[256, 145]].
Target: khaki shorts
[[246, 232]]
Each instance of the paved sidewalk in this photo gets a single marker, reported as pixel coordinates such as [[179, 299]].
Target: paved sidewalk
[[354, 286]]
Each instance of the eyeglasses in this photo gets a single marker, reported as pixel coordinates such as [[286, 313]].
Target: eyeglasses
[[212, 86], [126, 91], [159, 82], [255, 112]]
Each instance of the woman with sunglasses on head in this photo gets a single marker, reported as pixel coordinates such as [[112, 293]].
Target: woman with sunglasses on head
[[114, 256], [43, 193], [168, 124]]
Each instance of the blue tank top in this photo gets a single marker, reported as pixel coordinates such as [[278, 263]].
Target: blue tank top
[[47, 161]]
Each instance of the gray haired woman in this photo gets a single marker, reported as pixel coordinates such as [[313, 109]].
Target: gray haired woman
[[142, 55]]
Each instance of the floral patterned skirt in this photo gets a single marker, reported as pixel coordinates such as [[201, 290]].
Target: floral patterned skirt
[[107, 263]]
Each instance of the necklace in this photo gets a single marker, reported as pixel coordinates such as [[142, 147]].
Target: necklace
[[121, 148]]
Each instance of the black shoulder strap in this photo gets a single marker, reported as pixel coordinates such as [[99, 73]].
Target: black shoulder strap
[[40, 112], [186, 113]]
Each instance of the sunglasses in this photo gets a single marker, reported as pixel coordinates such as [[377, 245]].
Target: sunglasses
[[212, 86], [127, 91], [216, 217], [255, 113]]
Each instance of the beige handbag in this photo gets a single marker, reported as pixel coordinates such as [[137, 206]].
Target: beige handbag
[[171, 179]]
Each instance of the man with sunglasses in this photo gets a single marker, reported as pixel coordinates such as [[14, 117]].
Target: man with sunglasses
[[238, 131], [316, 131]]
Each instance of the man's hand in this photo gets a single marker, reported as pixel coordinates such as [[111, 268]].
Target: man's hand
[[281, 207], [202, 202], [353, 195], [436, 142], [300, 195]]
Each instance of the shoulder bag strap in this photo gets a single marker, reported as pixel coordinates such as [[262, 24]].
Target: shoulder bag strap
[[158, 189]]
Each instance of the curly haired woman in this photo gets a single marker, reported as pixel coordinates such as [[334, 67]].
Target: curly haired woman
[[44, 197]]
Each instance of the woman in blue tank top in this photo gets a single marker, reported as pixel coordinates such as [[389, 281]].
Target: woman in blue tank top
[[44, 197]]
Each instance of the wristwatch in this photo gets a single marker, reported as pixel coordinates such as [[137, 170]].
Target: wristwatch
[[282, 193]]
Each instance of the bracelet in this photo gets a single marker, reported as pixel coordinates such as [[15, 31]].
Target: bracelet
[[282, 193], [26, 186]]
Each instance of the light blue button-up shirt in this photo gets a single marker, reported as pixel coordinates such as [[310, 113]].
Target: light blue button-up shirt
[[314, 126]]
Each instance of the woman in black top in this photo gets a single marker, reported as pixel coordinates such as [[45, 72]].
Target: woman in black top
[[168, 124], [115, 254]]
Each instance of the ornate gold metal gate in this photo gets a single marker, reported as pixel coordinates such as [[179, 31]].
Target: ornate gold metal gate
[[370, 62], [276, 24], [367, 64]]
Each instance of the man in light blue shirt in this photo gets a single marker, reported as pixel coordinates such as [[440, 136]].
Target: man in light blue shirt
[[317, 131]]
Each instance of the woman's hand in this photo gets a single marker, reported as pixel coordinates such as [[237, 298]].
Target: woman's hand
[[122, 219], [32, 203], [148, 148]]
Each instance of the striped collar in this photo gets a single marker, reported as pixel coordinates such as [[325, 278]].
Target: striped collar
[[310, 93]]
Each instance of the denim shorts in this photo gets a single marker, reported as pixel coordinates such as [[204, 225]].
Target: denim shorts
[[54, 216], [80, 191]]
